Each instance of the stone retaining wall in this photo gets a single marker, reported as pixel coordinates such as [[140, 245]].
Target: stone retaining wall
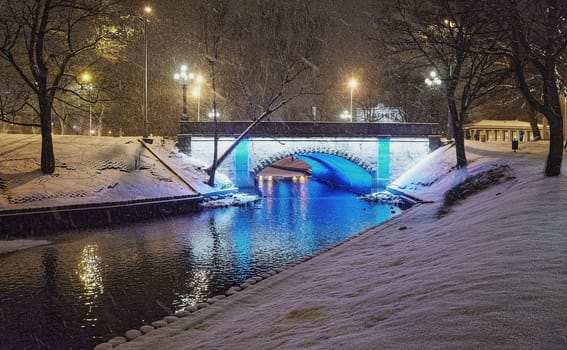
[[31, 221]]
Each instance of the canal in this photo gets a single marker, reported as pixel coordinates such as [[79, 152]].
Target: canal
[[89, 286]]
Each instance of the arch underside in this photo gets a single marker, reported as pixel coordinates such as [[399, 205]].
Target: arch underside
[[335, 168]]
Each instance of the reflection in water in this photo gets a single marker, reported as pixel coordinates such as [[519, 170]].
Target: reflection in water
[[89, 272], [93, 285], [50, 272], [198, 285]]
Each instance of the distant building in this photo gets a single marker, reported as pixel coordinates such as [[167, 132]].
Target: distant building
[[502, 130], [379, 114]]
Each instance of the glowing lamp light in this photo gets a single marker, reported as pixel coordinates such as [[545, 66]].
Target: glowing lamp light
[[352, 84], [211, 114], [86, 77], [433, 79]]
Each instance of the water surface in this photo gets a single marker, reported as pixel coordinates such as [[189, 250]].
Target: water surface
[[89, 286]]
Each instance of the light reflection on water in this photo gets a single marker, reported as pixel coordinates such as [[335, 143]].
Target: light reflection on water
[[89, 272], [92, 285]]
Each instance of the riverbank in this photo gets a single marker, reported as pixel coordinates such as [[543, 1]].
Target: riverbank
[[98, 181], [485, 272]]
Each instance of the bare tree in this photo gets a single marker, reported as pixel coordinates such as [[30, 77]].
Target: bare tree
[[268, 60], [457, 40], [214, 35], [47, 43], [537, 44], [14, 100]]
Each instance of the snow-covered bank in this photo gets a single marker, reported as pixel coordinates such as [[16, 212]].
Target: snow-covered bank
[[236, 199], [19, 244], [93, 171], [489, 274], [88, 170]]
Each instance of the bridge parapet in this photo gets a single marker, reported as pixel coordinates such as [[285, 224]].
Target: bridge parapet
[[311, 129]]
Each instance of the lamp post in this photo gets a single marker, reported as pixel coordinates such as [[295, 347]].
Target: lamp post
[[352, 84], [147, 11], [433, 81], [183, 77], [87, 79], [197, 93]]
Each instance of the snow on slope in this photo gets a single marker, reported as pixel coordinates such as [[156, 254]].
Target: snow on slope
[[490, 274]]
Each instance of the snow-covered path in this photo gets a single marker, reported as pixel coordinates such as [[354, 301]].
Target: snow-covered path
[[489, 274]]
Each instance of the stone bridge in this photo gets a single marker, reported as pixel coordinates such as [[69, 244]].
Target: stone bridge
[[361, 157]]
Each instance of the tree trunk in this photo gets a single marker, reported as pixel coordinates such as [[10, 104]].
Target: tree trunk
[[555, 154], [459, 135], [532, 114], [553, 115], [214, 166], [47, 155], [551, 105], [458, 132]]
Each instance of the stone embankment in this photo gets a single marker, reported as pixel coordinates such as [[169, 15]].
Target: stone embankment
[[33, 221]]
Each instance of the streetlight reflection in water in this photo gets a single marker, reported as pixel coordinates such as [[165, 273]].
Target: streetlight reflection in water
[[90, 274], [96, 284]]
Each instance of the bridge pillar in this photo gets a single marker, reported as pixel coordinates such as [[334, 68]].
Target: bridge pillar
[[241, 165], [383, 166]]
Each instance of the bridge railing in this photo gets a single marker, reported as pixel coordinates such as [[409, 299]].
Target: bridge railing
[[311, 129]]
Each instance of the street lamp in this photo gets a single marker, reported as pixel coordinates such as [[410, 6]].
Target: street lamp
[[147, 11], [433, 79], [212, 114], [197, 93], [345, 115], [87, 79], [352, 85], [183, 77]]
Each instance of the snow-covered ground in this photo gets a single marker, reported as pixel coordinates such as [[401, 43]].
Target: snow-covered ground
[[95, 170], [487, 272], [88, 170]]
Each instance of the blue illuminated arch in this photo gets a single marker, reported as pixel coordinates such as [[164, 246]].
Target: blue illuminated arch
[[261, 164], [338, 172], [333, 167]]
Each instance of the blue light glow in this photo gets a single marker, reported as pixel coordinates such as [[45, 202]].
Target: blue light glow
[[383, 174], [241, 165], [339, 172]]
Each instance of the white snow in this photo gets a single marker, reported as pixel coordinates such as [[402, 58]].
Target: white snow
[[19, 244], [490, 274], [95, 170], [88, 170]]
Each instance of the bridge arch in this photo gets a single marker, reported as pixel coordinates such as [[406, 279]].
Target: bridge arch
[[335, 167], [266, 161]]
